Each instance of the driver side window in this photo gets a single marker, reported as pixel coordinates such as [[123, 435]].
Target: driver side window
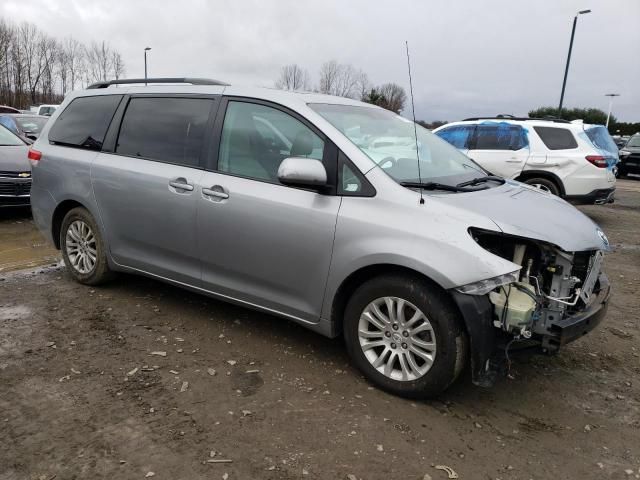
[[256, 138]]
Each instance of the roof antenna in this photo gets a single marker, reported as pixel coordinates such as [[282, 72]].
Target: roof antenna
[[415, 130]]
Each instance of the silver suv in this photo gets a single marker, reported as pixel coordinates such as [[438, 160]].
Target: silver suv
[[326, 211]]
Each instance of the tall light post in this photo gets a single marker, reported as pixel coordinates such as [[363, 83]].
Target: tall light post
[[145, 63], [566, 69], [610, 95]]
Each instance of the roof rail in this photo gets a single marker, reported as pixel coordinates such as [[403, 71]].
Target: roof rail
[[511, 117], [125, 81]]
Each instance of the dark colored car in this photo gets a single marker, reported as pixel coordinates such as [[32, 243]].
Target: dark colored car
[[5, 109], [630, 157], [15, 170], [26, 126]]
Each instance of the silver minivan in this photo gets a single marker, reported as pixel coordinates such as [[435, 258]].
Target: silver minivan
[[326, 211]]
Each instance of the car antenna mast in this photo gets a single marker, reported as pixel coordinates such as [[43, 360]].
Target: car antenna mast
[[415, 129]]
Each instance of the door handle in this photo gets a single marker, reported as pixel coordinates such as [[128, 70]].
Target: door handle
[[181, 184], [216, 191], [514, 160]]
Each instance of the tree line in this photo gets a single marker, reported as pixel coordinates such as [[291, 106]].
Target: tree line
[[589, 115], [343, 80], [37, 68]]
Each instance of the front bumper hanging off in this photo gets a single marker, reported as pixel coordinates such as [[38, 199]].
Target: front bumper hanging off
[[485, 340]]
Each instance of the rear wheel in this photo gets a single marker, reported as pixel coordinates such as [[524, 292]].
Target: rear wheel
[[83, 249], [405, 335], [544, 184]]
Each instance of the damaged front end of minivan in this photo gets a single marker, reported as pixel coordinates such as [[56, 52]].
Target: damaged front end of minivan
[[553, 298]]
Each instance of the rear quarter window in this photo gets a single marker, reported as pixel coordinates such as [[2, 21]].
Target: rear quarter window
[[556, 138], [84, 122]]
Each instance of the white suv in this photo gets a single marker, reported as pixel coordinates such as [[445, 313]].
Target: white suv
[[573, 160]]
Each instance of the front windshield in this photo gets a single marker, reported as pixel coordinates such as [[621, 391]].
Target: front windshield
[[31, 124], [633, 141], [7, 138], [389, 140]]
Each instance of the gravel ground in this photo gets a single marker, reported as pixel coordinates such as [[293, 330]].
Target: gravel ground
[[138, 379]]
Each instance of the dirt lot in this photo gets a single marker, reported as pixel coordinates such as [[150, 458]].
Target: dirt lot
[[83, 395]]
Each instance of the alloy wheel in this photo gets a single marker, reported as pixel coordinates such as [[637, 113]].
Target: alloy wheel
[[81, 247], [397, 338]]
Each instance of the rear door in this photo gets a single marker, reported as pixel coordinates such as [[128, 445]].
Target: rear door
[[500, 147], [261, 242], [147, 183]]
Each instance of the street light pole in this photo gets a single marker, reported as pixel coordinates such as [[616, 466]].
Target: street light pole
[[145, 63], [566, 69], [610, 95]]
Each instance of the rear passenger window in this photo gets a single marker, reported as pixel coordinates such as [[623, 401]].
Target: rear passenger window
[[169, 130], [84, 122], [502, 136], [556, 138]]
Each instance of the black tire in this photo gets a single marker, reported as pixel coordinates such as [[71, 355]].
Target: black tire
[[620, 173], [547, 184], [450, 337], [100, 271]]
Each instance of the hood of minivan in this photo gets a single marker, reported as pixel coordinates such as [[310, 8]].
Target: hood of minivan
[[524, 211], [14, 158]]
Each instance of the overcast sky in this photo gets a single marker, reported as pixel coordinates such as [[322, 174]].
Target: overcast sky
[[469, 57]]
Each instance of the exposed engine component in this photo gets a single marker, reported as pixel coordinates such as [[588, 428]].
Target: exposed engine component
[[552, 285]]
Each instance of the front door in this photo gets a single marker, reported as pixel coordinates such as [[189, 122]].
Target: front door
[[261, 242], [147, 189]]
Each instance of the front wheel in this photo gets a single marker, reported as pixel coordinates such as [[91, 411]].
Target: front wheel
[[83, 249], [405, 335]]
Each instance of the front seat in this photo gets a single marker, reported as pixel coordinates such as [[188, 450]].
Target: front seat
[[302, 145]]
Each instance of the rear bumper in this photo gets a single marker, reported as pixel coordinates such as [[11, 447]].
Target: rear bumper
[[599, 197]]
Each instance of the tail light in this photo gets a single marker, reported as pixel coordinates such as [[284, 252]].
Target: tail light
[[597, 160], [34, 155]]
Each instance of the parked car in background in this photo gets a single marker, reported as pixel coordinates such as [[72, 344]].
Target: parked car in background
[[6, 109], [620, 140], [26, 126], [630, 157], [572, 160], [46, 110], [15, 170], [318, 209]]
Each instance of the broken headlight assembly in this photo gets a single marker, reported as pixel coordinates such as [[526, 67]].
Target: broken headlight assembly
[[485, 286]]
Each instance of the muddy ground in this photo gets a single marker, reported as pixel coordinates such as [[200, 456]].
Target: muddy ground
[[83, 395]]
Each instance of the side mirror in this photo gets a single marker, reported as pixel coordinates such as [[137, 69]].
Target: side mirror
[[302, 172]]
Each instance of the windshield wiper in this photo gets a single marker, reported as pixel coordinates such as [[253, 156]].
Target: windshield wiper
[[476, 181], [438, 186]]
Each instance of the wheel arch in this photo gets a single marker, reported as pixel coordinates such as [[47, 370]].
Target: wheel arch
[[527, 174], [361, 275], [58, 216]]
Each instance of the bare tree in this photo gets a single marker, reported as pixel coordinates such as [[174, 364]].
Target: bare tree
[[117, 65], [99, 58], [343, 80], [292, 77], [74, 56]]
